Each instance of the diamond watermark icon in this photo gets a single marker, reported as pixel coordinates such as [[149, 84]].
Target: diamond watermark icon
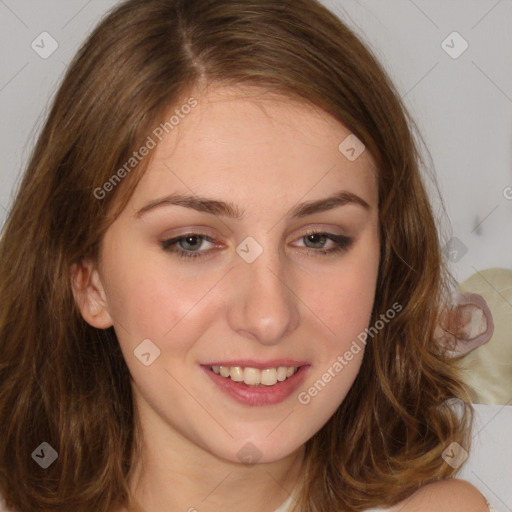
[[249, 454], [249, 249], [44, 45], [351, 147], [454, 250], [454, 45], [45, 455], [147, 352], [455, 455]]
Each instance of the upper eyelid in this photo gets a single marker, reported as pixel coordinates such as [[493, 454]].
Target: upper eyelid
[[316, 228], [211, 238]]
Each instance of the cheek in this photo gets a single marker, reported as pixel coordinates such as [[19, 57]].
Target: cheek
[[344, 305], [154, 308], [344, 299], [137, 294], [151, 297]]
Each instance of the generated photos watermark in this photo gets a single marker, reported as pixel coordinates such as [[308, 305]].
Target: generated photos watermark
[[337, 366], [151, 142]]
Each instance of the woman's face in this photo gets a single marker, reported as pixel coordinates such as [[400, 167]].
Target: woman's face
[[212, 263]]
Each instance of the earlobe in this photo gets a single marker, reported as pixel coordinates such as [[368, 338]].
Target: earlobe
[[89, 294]]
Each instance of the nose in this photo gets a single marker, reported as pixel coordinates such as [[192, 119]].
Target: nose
[[263, 305]]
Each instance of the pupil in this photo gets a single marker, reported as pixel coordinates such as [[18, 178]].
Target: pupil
[[317, 238], [189, 240]]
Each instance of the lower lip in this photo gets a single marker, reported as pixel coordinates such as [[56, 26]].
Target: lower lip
[[259, 395]]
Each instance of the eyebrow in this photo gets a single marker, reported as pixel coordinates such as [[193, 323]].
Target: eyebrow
[[228, 209]]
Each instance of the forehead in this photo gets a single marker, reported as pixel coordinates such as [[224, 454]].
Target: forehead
[[245, 139]]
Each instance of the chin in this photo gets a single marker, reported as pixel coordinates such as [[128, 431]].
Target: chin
[[252, 450]]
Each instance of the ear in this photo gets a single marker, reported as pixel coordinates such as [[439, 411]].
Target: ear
[[90, 295]]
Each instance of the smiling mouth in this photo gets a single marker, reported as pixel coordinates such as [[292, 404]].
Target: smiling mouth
[[254, 376]]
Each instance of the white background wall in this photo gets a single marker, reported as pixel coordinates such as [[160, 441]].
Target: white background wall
[[463, 107]]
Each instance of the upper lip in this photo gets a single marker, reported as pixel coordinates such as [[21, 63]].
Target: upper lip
[[261, 365]]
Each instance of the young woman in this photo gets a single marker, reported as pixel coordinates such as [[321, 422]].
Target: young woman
[[220, 278]]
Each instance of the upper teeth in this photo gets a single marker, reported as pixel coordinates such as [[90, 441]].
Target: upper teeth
[[253, 376]]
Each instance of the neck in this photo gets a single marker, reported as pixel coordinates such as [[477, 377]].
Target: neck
[[174, 474]]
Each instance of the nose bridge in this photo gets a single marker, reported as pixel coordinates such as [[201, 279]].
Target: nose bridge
[[264, 306]]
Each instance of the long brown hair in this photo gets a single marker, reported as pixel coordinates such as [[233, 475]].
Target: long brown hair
[[66, 383]]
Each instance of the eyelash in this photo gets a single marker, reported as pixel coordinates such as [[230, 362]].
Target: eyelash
[[343, 243]]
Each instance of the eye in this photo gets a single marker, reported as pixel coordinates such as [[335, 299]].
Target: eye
[[191, 245], [188, 245], [316, 242]]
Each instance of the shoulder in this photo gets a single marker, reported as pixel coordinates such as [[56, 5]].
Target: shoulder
[[451, 495]]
